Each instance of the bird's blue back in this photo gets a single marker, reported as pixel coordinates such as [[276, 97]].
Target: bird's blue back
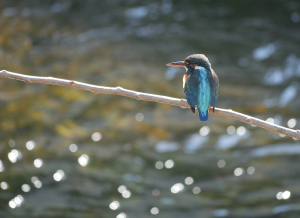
[[198, 91]]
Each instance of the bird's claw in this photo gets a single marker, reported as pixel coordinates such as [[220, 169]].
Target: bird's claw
[[193, 109]]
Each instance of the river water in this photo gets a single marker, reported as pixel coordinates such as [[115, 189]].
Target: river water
[[71, 153]]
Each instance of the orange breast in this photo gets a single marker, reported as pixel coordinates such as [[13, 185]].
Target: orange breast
[[184, 79]]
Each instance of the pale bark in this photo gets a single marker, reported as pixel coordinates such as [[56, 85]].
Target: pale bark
[[150, 97]]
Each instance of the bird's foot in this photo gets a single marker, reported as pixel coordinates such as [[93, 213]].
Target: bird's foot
[[213, 109]]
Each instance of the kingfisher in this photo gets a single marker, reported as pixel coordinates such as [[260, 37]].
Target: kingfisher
[[200, 84]]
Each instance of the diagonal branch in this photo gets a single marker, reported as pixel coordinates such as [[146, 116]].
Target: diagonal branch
[[149, 97]]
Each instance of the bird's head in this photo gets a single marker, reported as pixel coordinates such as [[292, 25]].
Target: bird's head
[[192, 61]]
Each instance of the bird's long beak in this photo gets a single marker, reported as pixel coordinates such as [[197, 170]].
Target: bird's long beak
[[177, 64]]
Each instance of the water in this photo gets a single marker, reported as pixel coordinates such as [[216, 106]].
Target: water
[[67, 152]]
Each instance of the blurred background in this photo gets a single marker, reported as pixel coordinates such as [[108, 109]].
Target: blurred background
[[71, 153]]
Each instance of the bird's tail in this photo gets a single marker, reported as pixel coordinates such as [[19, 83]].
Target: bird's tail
[[203, 116]]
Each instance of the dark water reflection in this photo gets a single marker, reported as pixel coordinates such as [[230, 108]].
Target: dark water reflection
[[70, 153]]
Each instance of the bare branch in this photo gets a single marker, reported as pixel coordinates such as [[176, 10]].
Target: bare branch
[[149, 97]]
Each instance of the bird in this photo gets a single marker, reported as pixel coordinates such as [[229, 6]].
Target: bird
[[200, 84]]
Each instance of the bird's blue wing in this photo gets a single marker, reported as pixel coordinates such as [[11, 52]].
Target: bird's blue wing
[[204, 94], [214, 84], [190, 91], [214, 99], [191, 97]]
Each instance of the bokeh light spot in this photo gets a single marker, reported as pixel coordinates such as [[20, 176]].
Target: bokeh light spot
[[14, 155], [122, 188], [25, 188], [38, 184], [18, 200], [11, 143], [139, 117], [159, 165], [238, 171], [154, 210], [283, 195], [96, 136], [83, 160], [221, 163], [295, 17], [73, 147], [169, 164], [204, 130], [196, 190], [177, 188], [156, 192], [30, 145], [33, 179], [121, 215], [12, 204], [126, 194], [279, 195], [292, 123], [1, 166], [114, 205], [20, 197], [250, 170], [59, 175], [4, 185], [241, 130], [189, 180], [286, 195], [231, 130], [38, 162]]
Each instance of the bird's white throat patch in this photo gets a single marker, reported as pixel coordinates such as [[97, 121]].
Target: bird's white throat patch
[[199, 68]]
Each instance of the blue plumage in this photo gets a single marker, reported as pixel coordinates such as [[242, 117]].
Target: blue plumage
[[204, 99], [203, 116], [197, 91], [200, 84]]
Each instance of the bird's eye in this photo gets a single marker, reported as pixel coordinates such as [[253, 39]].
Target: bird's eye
[[187, 63]]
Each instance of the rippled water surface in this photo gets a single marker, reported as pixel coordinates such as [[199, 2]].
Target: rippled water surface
[[71, 153]]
